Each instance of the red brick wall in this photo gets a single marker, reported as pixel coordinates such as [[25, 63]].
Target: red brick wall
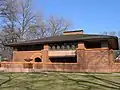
[[94, 60], [99, 60], [19, 56]]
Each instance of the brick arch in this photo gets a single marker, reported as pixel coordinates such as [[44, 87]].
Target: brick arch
[[39, 55]]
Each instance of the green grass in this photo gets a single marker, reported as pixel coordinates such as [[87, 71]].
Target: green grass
[[59, 81]]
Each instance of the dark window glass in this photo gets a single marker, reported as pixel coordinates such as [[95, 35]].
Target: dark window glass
[[30, 48], [93, 44], [63, 59]]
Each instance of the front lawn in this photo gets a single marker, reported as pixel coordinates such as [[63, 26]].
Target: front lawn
[[59, 81]]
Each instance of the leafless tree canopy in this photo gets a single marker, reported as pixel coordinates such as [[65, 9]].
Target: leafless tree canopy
[[20, 22], [57, 25], [51, 27], [113, 33]]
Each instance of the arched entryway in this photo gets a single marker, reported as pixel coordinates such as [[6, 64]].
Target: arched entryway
[[37, 59]]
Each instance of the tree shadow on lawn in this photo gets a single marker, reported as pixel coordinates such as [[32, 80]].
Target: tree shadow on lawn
[[10, 78], [26, 81], [106, 81], [90, 85], [50, 78]]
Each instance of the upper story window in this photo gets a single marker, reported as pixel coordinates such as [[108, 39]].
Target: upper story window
[[63, 46], [30, 48], [93, 45]]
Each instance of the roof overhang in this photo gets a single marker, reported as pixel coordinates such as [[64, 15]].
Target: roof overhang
[[68, 38]]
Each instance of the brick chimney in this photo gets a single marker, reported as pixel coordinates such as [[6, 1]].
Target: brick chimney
[[73, 32]]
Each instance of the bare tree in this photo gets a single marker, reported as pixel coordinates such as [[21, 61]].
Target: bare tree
[[9, 17], [6, 52], [2, 3], [38, 30], [51, 27], [9, 14], [57, 26], [20, 22], [17, 17], [26, 18], [16, 20], [112, 33]]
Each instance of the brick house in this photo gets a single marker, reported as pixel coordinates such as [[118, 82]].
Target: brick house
[[81, 52]]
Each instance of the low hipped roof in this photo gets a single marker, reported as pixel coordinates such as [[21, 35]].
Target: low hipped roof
[[64, 38]]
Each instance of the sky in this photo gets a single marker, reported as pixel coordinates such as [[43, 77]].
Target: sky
[[93, 16]]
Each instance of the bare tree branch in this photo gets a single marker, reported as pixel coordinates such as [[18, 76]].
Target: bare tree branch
[[57, 25]]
